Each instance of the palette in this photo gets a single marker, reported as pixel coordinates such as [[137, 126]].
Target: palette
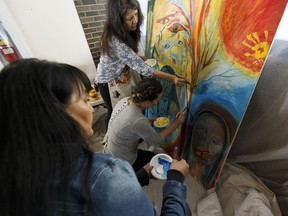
[[161, 164], [161, 122]]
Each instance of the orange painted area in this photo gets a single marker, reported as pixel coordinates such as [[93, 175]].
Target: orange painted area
[[247, 30]]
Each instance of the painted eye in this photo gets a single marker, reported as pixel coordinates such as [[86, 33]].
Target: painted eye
[[176, 27], [200, 133], [215, 141], [166, 46], [164, 21]]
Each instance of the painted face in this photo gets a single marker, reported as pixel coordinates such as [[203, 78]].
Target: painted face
[[208, 139], [171, 36], [131, 19], [81, 110]]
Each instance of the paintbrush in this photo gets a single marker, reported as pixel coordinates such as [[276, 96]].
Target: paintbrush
[[184, 111], [186, 81]]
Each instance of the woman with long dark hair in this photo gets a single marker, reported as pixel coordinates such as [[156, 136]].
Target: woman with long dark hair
[[45, 167], [119, 47]]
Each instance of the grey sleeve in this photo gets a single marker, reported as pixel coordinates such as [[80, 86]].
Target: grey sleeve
[[144, 129]]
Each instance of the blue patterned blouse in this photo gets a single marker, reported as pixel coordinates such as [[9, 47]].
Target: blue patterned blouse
[[110, 67]]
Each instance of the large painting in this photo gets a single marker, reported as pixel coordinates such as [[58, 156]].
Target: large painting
[[220, 47]]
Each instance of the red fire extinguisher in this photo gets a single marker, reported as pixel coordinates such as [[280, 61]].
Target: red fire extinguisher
[[8, 50]]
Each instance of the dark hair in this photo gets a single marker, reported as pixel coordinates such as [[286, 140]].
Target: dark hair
[[115, 25], [146, 90], [37, 136]]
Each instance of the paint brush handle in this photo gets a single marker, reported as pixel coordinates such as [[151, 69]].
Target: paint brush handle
[[182, 111], [187, 82]]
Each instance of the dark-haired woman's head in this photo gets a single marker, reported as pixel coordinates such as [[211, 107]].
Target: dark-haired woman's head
[[124, 18], [147, 90], [42, 128], [41, 88], [118, 11], [131, 15]]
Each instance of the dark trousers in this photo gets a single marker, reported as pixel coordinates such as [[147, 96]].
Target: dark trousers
[[105, 94], [143, 158]]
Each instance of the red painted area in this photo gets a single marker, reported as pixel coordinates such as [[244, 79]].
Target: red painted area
[[240, 19]]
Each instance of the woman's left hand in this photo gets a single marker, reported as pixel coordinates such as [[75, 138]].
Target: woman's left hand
[[144, 58], [180, 117], [148, 168]]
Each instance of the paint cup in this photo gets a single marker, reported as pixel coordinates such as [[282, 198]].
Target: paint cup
[[161, 164], [161, 122], [152, 63]]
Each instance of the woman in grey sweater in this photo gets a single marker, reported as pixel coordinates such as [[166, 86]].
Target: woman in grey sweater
[[128, 125]]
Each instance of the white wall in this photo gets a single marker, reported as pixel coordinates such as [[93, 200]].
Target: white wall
[[282, 31], [48, 30], [144, 5]]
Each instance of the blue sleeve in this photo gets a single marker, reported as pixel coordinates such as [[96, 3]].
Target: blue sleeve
[[117, 192], [174, 199]]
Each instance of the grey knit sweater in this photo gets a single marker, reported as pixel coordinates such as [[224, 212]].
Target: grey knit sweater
[[127, 125]]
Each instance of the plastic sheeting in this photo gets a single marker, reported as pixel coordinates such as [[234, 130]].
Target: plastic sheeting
[[261, 143]]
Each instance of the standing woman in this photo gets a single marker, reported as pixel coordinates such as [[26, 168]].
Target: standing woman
[[45, 167], [119, 48]]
